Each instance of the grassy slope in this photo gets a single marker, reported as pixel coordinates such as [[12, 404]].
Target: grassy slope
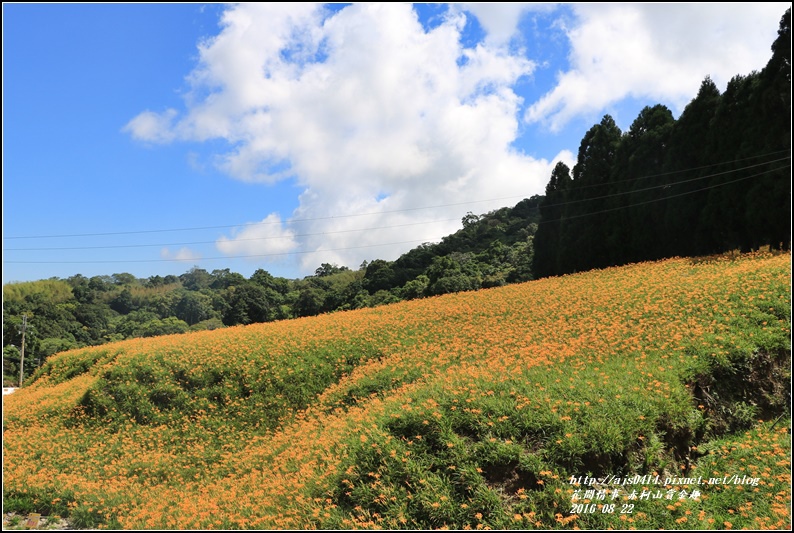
[[470, 410]]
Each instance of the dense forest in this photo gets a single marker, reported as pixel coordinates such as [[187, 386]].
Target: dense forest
[[716, 179]]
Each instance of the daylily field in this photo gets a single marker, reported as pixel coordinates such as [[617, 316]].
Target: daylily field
[[474, 410]]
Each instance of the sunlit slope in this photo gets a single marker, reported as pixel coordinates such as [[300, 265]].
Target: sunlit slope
[[467, 410]]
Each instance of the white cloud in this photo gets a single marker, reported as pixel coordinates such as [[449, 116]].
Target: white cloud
[[657, 51], [369, 113], [266, 237], [500, 20], [184, 254], [152, 127]]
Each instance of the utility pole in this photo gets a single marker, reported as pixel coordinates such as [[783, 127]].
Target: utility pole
[[22, 354]]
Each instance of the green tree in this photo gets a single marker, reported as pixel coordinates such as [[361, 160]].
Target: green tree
[[310, 302], [132, 324], [379, 276], [635, 232], [11, 358], [194, 307], [768, 211], [547, 239], [689, 153], [416, 288], [327, 269], [167, 326], [246, 304], [196, 279], [123, 303], [95, 319], [268, 281], [584, 224], [453, 273], [224, 278], [124, 279]]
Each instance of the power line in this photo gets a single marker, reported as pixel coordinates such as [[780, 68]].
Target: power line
[[623, 193], [333, 217], [664, 185], [262, 223], [220, 257], [662, 199], [610, 182], [116, 246], [403, 242]]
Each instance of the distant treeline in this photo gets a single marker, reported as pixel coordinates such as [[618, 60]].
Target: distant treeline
[[717, 179], [490, 250]]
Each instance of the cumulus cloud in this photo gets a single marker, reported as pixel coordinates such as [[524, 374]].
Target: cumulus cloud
[[369, 112], [184, 254], [376, 117], [500, 20], [152, 127], [261, 238], [657, 51]]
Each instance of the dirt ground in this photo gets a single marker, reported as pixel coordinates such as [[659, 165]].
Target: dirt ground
[[14, 521]]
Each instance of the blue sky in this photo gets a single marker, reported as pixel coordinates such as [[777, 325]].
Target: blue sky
[[149, 138]]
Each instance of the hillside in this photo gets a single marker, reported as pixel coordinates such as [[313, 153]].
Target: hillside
[[469, 410], [714, 180], [490, 250]]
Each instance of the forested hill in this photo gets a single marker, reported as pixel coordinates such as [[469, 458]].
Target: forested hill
[[717, 179], [490, 250]]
